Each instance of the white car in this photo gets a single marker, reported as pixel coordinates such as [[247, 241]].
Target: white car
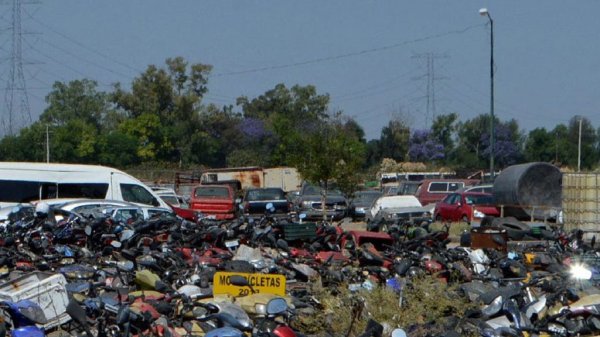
[[395, 206], [169, 196], [120, 209]]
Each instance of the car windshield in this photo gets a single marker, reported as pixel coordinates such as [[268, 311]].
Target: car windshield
[[212, 192], [315, 190], [170, 199], [366, 198], [479, 199], [265, 194]]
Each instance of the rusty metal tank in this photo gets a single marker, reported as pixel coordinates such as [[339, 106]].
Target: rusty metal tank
[[531, 191]]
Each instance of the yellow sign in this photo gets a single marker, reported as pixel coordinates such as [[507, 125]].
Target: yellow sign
[[257, 283]]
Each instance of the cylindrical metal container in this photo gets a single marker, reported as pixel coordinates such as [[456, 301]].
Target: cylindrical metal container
[[529, 191]]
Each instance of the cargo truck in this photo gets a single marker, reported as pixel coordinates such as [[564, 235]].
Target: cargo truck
[[286, 178]]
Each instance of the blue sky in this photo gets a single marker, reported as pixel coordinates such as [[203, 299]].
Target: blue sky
[[362, 53]]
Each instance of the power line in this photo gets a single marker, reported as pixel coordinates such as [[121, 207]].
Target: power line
[[61, 63], [86, 60], [92, 50], [362, 92], [351, 54]]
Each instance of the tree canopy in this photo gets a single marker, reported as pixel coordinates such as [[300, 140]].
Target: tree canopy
[[161, 118]]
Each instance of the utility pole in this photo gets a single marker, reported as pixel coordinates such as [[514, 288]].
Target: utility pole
[[16, 99], [47, 145], [485, 12], [579, 148]]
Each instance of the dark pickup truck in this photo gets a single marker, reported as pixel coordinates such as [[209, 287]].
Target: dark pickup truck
[[309, 203], [256, 199]]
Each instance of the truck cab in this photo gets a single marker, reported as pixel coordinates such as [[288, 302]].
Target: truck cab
[[214, 201]]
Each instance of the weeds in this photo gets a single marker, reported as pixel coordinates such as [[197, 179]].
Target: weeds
[[424, 300], [456, 229]]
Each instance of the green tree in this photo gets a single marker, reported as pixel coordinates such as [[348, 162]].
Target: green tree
[[330, 153], [147, 129], [288, 115], [540, 146], [443, 130], [394, 140], [76, 100], [562, 147], [373, 156], [471, 142], [28, 145], [173, 97], [116, 148]]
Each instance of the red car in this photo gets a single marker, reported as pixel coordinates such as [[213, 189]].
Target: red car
[[214, 201], [466, 207]]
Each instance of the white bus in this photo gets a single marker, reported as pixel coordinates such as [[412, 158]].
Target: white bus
[[26, 182]]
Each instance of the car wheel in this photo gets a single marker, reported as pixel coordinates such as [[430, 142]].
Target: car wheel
[[465, 219]]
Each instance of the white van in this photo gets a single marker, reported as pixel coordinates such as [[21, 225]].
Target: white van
[[26, 182]]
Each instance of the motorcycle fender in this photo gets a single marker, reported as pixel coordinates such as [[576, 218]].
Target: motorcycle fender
[[284, 331]]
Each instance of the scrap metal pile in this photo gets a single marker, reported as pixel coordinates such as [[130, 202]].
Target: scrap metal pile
[[63, 273]]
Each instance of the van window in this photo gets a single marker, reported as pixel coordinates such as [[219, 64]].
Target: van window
[[74, 190], [138, 194], [77, 190], [455, 186], [438, 187], [19, 191]]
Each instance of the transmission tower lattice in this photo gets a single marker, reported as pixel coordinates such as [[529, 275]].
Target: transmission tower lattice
[[18, 113], [430, 79]]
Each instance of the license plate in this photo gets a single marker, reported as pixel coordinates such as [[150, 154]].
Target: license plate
[[232, 243], [211, 217]]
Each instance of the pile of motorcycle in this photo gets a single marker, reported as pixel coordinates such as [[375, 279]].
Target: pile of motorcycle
[[62, 274]]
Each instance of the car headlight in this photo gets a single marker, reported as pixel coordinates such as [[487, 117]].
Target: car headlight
[[478, 214], [339, 207]]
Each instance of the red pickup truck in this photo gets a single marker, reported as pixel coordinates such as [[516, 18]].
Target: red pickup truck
[[214, 201]]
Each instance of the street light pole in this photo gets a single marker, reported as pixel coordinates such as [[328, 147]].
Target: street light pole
[[484, 12]]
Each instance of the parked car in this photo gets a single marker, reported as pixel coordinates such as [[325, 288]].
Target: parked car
[[309, 202], [256, 199], [407, 187], [433, 190], [466, 206], [485, 188], [169, 196], [130, 214], [397, 207], [215, 201], [361, 202], [114, 208]]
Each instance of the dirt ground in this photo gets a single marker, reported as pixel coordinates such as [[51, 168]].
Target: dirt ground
[[348, 225]]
